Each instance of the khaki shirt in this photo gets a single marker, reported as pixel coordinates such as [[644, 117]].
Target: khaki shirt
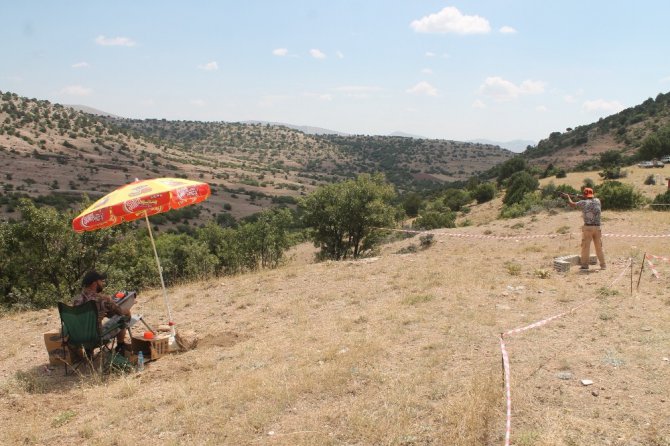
[[105, 304]]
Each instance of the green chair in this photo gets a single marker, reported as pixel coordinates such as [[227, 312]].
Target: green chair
[[80, 330]]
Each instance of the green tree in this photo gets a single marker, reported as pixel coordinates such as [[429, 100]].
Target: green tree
[[411, 203], [520, 183], [265, 240], [485, 192], [656, 145], [436, 215], [44, 259], [611, 158], [510, 167], [342, 217], [616, 195], [455, 199]]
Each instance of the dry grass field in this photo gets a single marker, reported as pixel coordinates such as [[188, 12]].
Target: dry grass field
[[396, 349]]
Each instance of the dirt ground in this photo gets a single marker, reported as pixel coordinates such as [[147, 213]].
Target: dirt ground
[[396, 349]]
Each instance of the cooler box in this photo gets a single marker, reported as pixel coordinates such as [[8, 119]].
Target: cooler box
[[57, 353]]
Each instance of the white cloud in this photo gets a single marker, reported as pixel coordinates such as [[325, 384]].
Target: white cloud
[[427, 71], [541, 108], [114, 41], [80, 65], [358, 91], [281, 52], [602, 105], [339, 54], [76, 90], [423, 88], [198, 102], [665, 79], [504, 90], [479, 104], [317, 54], [209, 66], [450, 20], [320, 96], [507, 30], [430, 54]]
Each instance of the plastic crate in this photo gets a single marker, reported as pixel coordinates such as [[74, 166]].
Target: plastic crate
[[151, 348]]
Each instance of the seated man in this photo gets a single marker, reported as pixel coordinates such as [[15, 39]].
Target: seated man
[[92, 286]]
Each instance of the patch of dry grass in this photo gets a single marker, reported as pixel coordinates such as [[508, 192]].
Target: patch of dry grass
[[400, 349]]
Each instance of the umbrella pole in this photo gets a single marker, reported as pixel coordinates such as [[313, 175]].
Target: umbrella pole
[[160, 273]]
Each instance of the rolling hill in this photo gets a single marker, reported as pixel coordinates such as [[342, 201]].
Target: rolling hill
[[624, 132], [56, 153]]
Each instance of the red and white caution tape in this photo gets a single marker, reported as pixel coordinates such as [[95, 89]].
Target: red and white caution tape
[[637, 235], [508, 391], [623, 271], [653, 269], [666, 259], [517, 237], [505, 355]]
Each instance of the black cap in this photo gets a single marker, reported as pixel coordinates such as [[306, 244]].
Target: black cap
[[92, 276]]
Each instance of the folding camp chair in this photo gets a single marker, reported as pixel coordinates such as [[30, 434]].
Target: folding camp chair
[[80, 329]]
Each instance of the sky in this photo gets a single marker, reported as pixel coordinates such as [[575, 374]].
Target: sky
[[459, 70]]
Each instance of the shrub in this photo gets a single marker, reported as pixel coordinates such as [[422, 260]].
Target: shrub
[[520, 184], [662, 202], [484, 192], [454, 199], [616, 195]]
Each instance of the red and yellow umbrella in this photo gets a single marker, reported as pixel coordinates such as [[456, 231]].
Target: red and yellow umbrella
[[139, 200], [142, 199]]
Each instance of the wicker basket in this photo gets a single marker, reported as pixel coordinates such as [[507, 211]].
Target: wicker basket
[[151, 348]]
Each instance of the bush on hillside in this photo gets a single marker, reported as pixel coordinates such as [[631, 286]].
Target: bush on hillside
[[520, 184], [434, 219], [616, 195], [343, 217], [662, 202], [612, 173], [484, 192], [455, 199]]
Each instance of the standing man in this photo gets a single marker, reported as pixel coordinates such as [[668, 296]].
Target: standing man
[[92, 286], [591, 208]]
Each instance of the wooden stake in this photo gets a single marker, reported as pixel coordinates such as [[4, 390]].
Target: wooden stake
[[641, 269]]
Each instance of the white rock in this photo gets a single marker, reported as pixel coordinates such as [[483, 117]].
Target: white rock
[[586, 382]]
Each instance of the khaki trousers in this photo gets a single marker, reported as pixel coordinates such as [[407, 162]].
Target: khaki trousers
[[592, 233]]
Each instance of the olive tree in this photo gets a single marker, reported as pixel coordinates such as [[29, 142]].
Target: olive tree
[[343, 217]]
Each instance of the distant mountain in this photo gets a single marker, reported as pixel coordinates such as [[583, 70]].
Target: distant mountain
[[516, 145], [307, 129], [91, 110], [406, 135]]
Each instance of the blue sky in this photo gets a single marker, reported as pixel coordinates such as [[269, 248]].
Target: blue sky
[[461, 70]]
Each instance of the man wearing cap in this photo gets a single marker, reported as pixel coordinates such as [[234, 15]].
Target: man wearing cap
[[591, 208], [92, 286]]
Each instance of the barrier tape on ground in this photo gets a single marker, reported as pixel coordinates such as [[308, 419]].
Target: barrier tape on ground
[[623, 271], [653, 269], [667, 259], [505, 355], [508, 391], [518, 237]]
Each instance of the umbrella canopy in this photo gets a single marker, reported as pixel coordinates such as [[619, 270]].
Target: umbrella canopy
[[141, 199]]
